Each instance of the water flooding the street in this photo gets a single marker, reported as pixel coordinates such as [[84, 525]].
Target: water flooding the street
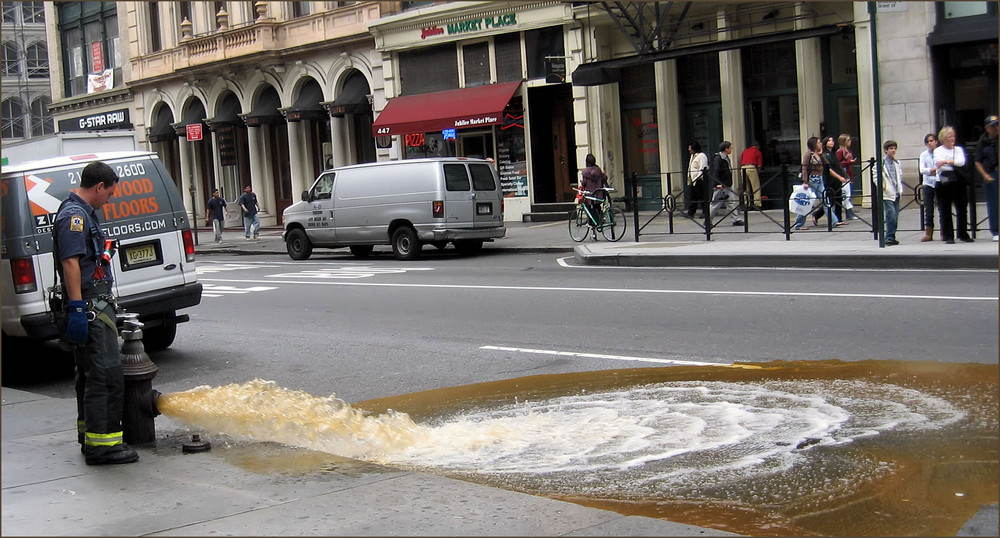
[[785, 448]]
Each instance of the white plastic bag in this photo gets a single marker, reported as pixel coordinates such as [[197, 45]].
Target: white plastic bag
[[802, 200]]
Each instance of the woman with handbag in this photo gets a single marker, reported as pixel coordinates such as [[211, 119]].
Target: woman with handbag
[[696, 178], [951, 190]]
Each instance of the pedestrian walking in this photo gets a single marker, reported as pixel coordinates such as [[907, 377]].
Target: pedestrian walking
[[722, 175], [250, 207], [834, 179], [213, 213], [892, 188], [847, 160], [88, 320], [986, 166], [697, 167], [751, 161], [951, 189], [929, 173], [811, 175]]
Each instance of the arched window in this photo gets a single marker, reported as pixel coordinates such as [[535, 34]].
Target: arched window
[[11, 64], [41, 118], [12, 124], [36, 60]]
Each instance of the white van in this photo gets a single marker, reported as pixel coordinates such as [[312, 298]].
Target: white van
[[154, 269], [405, 204]]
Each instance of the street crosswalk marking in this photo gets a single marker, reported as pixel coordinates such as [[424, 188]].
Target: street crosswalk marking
[[207, 269], [215, 290], [348, 272]]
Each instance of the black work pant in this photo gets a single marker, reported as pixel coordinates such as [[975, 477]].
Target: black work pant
[[696, 198], [100, 384], [950, 194]]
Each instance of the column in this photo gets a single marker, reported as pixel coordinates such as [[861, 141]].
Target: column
[[866, 94], [672, 161], [296, 158], [337, 126], [187, 179], [256, 171]]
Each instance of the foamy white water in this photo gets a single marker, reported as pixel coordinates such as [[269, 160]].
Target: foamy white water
[[666, 436]]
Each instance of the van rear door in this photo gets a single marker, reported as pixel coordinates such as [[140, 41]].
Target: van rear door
[[488, 212]]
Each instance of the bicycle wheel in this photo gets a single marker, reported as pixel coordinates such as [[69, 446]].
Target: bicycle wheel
[[614, 224], [579, 224]]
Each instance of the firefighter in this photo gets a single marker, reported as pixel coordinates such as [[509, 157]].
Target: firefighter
[[89, 324]]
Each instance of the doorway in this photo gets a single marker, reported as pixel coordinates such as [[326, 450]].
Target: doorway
[[477, 145], [553, 143]]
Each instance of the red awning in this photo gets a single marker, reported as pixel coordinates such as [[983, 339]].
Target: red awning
[[452, 109]]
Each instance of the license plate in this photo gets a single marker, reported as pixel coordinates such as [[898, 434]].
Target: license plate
[[484, 209], [140, 255]]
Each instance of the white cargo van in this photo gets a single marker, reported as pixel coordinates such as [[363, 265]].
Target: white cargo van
[[405, 204], [154, 266]]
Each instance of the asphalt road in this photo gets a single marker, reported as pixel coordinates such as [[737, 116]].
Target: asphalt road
[[364, 330]]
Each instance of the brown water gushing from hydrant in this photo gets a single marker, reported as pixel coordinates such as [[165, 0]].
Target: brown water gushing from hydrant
[[786, 448]]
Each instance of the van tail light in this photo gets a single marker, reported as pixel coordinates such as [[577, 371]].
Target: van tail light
[[438, 208], [501, 206], [188, 245], [23, 270]]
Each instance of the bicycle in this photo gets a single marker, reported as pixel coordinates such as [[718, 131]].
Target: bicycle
[[582, 221]]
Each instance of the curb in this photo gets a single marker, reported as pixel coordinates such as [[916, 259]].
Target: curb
[[734, 260]]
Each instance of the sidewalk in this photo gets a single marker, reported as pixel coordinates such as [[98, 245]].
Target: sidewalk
[[48, 490], [851, 246]]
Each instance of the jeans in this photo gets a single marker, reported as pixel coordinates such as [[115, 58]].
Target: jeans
[[929, 195], [990, 190], [848, 204], [251, 222], [217, 228], [819, 185], [891, 218]]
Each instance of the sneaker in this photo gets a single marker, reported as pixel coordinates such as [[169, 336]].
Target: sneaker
[[255, 236], [854, 218], [737, 223], [996, 238], [248, 238], [891, 242]]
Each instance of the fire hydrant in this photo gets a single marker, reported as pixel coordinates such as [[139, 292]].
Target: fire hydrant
[[140, 398]]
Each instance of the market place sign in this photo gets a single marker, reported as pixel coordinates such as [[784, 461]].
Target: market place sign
[[470, 25]]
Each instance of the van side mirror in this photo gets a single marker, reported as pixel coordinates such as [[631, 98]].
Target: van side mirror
[[305, 196]]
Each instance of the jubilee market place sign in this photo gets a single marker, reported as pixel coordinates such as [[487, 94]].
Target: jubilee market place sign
[[470, 25]]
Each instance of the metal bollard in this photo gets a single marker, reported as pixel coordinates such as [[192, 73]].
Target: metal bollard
[[140, 398]]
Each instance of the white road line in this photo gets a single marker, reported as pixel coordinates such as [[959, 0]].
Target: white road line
[[602, 356], [729, 293]]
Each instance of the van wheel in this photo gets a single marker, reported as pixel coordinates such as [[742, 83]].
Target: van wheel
[[298, 245], [405, 244], [160, 337], [361, 251], [469, 246]]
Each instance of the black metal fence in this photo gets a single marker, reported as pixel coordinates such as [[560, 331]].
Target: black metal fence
[[781, 180]]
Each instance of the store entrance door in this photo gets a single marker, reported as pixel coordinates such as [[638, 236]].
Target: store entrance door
[[553, 143]]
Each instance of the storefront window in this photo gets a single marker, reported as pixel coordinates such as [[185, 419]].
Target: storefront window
[[428, 69], [436, 144], [698, 77], [541, 45], [90, 44], [476, 63], [772, 102], [507, 50]]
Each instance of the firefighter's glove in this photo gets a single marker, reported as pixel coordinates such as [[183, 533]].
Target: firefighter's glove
[[76, 322]]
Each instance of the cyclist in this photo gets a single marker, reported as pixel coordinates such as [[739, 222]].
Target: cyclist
[[593, 178]]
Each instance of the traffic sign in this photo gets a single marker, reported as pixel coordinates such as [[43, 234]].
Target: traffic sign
[[193, 132]]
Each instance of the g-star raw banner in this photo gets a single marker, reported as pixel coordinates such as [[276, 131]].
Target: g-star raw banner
[[101, 81]]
